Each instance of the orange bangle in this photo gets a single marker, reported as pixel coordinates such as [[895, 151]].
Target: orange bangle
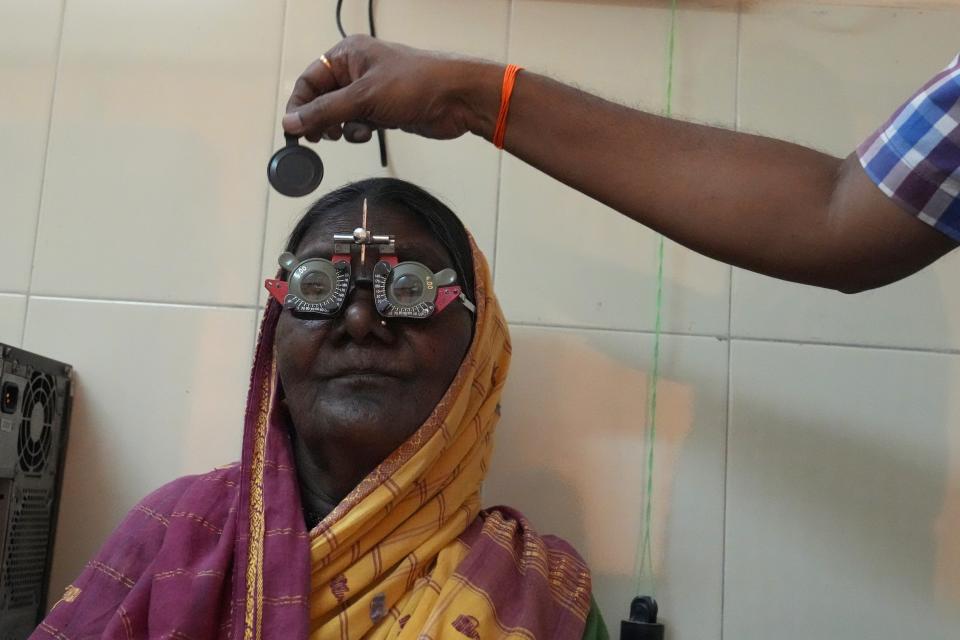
[[509, 77]]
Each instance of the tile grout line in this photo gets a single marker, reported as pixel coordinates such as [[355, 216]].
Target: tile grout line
[[786, 341], [725, 451], [43, 171], [532, 325], [266, 199], [144, 302], [847, 345], [496, 217]]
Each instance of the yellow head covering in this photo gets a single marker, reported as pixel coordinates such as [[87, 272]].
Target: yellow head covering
[[383, 555]]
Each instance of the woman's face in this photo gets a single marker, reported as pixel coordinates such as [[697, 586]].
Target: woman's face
[[353, 381]]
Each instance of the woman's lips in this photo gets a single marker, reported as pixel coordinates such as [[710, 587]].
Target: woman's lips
[[360, 379], [362, 365], [331, 373], [359, 373]]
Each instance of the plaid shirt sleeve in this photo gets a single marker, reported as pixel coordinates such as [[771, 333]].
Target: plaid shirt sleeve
[[915, 157]]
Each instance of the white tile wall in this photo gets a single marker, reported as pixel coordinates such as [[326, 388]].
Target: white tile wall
[[29, 37], [843, 502], [827, 76], [570, 454], [12, 308], [838, 510], [155, 183], [622, 55], [160, 392]]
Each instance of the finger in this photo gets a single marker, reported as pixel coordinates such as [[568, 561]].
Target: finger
[[318, 78], [325, 111], [357, 132], [333, 133]]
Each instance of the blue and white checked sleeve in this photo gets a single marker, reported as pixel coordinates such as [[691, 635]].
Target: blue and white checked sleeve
[[915, 157]]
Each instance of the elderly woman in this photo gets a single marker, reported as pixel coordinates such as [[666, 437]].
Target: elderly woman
[[355, 510]]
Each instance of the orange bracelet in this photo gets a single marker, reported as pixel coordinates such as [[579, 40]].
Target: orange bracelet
[[509, 77]]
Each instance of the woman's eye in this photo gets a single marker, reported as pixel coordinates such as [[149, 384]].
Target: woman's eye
[[316, 286], [407, 289]]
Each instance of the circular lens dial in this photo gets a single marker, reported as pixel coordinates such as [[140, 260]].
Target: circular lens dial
[[407, 290], [318, 286]]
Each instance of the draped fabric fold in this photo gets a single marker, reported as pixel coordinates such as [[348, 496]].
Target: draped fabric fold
[[407, 554]]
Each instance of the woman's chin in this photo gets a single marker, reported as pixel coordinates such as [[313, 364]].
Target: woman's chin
[[362, 410]]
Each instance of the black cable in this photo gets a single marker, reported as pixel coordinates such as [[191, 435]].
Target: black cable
[[381, 135], [343, 34]]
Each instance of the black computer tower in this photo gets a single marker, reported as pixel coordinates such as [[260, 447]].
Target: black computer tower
[[35, 401]]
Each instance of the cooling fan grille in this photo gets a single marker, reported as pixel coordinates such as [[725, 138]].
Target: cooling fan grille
[[36, 426]]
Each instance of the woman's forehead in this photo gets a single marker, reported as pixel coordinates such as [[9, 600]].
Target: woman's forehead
[[414, 240]]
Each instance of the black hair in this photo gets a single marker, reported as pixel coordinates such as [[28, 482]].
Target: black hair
[[439, 219]]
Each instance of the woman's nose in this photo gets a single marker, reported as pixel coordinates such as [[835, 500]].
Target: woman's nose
[[360, 318]]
